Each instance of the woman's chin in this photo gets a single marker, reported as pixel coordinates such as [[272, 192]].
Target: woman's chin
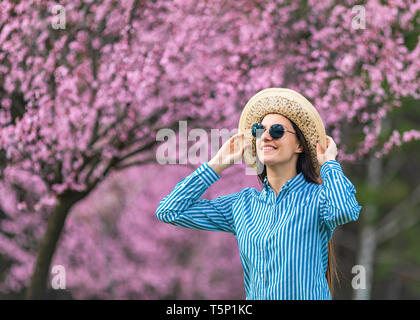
[[268, 159]]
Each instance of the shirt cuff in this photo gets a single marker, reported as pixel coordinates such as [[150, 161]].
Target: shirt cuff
[[328, 166], [207, 174]]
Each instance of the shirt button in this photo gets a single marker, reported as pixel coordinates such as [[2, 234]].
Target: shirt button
[[262, 250], [261, 276]]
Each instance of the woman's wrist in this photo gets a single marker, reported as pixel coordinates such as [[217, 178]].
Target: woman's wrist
[[322, 163], [217, 165]]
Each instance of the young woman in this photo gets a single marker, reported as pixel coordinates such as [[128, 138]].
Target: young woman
[[284, 230]]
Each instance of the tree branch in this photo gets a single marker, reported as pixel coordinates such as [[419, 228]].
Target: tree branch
[[389, 227], [134, 163]]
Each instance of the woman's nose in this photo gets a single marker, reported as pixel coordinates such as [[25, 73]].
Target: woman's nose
[[266, 136]]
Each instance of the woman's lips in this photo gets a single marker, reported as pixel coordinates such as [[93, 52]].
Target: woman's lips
[[268, 149]]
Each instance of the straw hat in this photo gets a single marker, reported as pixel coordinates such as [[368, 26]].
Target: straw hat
[[289, 104]]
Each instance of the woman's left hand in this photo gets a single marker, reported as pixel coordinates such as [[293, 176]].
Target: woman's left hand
[[329, 154]]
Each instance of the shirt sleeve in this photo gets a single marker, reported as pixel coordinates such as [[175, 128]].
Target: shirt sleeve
[[182, 206], [338, 204]]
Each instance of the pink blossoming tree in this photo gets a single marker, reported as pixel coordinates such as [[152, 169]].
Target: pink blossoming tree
[[79, 103]]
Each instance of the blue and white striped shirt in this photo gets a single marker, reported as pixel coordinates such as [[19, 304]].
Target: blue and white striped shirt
[[282, 240]]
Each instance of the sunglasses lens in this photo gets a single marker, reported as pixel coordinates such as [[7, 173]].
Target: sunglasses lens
[[257, 130], [276, 131]]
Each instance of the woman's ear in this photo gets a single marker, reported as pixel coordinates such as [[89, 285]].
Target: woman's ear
[[299, 148]]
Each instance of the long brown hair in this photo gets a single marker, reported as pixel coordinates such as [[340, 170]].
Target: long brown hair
[[304, 165]]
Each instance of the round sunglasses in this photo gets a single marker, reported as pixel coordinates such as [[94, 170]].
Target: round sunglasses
[[276, 130]]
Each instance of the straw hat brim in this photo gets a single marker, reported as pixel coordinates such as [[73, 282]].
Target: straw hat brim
[[291, 105]]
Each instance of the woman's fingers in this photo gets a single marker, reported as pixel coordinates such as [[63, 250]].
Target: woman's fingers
[[330, 141], [240, 146], [318, 146], [233, 146]]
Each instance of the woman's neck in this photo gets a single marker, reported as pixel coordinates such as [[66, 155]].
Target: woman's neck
[[279, 174]]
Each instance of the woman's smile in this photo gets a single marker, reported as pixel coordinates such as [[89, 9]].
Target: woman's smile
[[268, 148]]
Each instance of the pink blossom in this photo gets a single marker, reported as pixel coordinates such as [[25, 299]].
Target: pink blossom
[[99, 91]]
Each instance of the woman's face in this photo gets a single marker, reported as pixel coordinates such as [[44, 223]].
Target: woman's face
[[281, 150]]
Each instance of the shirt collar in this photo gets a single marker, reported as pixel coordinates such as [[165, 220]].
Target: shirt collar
[[294, 183]]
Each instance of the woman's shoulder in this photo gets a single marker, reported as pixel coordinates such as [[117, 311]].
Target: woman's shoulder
[[248, 192]]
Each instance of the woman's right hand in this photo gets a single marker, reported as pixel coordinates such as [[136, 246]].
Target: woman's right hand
[[230, 152]]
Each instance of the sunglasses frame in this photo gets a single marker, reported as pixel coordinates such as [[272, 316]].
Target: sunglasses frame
[[273, 131]]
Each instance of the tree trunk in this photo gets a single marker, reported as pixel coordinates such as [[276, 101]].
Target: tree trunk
[[48, 245], [368, 238], [366, 259]]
